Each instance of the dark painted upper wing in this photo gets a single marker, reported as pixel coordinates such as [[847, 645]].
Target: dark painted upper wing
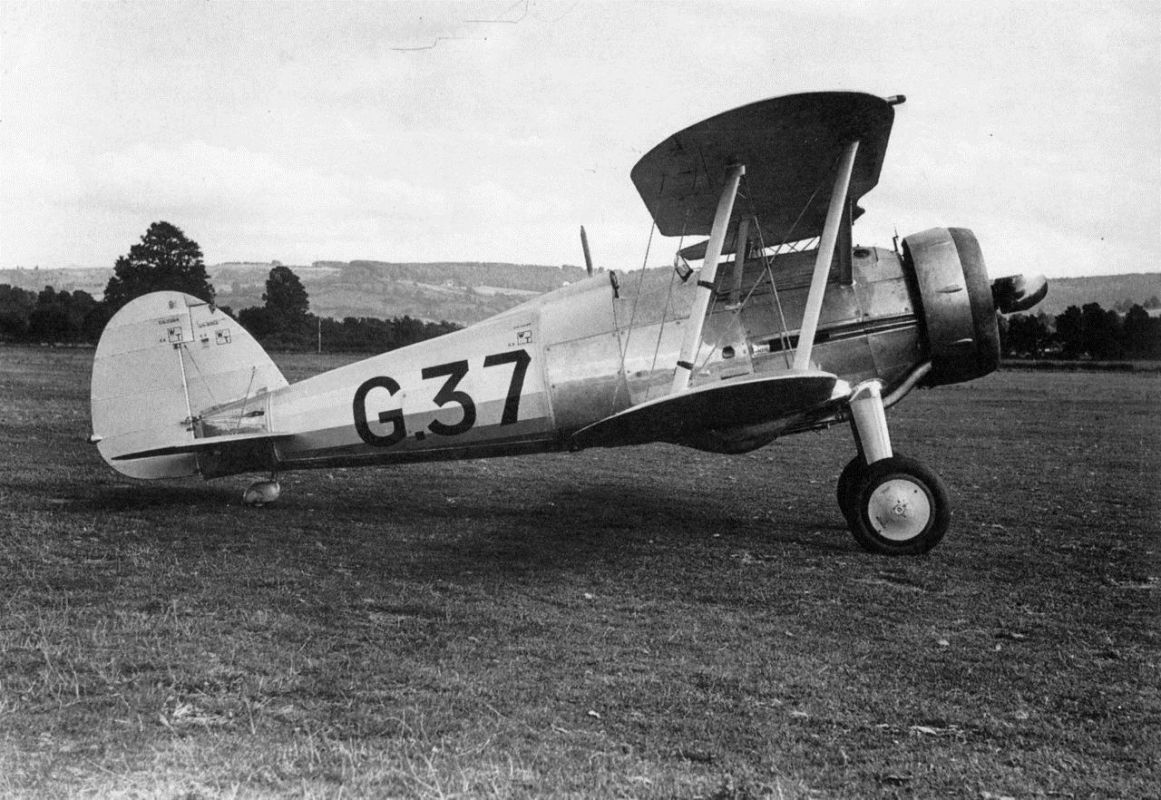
[[789, 145]]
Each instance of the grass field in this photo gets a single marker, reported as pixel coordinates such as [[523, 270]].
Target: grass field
[[647, 622]]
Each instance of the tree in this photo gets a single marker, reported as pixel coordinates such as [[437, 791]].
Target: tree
[[1142, 334], [1102, 331], [259, 322], [164, 259], [283, 322], [16, 305], [1025, 336], [1070, 332], [60, 316], [48, 322], [285, 295]]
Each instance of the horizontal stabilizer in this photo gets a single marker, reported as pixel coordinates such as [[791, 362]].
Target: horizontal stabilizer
[[718, 406], [221, 444]]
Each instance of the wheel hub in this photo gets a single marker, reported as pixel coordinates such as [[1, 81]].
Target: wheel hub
[[899, 509]]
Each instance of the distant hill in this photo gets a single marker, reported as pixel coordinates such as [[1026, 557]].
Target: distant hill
[[87, 279], [1118, 292], [466, 292], [461, 292], [455, 292]]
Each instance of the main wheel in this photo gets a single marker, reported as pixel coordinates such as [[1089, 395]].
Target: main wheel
[[848, 482], [899, 507], [848, 486]]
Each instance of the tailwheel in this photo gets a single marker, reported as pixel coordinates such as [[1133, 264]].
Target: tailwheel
[[897, 506], [261, 493]]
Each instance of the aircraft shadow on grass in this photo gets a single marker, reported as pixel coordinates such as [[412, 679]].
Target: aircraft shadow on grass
[[137, 498], [565, 530]]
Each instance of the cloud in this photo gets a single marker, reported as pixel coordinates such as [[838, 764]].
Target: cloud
[[239, 203], [296, 131], [233, 201]]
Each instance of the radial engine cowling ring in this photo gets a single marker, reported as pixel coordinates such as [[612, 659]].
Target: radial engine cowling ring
[[955, 301]]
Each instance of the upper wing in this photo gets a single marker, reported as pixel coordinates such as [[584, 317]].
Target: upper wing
[[709, 407], [789, 146]]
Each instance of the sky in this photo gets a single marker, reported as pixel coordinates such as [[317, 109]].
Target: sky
[[490, 131]]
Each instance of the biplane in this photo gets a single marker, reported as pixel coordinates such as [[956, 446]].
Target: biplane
[[786, 326]]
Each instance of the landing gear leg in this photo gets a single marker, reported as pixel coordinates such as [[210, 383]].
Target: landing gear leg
[[261, 493], [893, 505]]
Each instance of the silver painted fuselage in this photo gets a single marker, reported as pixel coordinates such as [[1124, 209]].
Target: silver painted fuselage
[[526, 380]]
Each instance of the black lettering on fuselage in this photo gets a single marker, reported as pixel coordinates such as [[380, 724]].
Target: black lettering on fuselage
[[394, 418], [453, 372]]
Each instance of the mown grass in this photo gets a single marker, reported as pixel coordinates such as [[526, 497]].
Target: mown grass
[[646, 622]]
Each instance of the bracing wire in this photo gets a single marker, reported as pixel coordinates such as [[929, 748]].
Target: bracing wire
[[768, 261], [245, 400], [637, 299], [668, 298], [664, 315], [207, 385], [623, 346], [768, 270]]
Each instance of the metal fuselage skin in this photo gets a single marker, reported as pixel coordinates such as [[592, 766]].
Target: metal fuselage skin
[[526, 380]]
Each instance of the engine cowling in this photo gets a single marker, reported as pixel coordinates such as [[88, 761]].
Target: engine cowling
[[955, 303]]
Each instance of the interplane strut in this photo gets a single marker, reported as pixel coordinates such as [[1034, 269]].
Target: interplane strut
[[834, 215], [705, 283]]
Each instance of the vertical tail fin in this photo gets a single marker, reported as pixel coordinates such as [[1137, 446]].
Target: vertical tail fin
[[163, 359]]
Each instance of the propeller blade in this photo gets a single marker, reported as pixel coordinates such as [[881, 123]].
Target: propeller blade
[[1018, 292]]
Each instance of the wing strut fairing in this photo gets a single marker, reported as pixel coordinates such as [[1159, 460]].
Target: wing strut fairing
[[834, 218], [705, 282]]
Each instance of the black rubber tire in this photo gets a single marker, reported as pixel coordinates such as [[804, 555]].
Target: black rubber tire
[[900, 508], [847, 484]]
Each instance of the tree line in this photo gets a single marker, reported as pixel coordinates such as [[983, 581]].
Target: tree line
[[50, 316], [1085, 332], [165, 259], [534, 278]]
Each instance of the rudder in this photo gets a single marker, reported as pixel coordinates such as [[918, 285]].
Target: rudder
[[163, 359]]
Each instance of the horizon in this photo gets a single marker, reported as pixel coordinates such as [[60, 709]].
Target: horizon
[[490, 131], [316, 262]]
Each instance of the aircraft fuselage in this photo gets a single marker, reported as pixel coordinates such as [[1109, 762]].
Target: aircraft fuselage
[[526, 380]]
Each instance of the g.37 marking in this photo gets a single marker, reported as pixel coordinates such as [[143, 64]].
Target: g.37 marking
[[448, 394]]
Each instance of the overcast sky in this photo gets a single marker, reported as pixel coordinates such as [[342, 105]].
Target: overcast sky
[[492, 130]]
